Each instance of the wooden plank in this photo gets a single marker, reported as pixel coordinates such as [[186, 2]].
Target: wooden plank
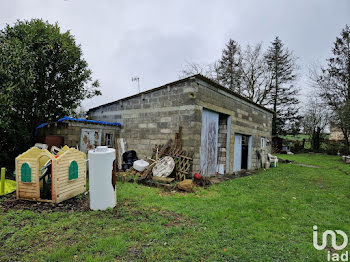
[[163, 179], [116, 146], [164, 148], [176, 140], [182, 156], [121, 149], [160, 154], [148, 170], [180, 138]]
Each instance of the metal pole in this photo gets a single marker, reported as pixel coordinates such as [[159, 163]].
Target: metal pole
[[2, 186], [136, 78]]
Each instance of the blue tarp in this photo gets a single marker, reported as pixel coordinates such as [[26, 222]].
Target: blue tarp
[[39, 126], [67, 118], [88, 121]]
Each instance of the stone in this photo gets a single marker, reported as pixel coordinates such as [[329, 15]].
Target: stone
[[186, 185]]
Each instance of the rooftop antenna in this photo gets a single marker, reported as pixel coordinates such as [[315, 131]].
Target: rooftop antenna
[[137, 79]]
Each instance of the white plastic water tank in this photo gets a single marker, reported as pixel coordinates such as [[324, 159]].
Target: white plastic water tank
[[102, 192]]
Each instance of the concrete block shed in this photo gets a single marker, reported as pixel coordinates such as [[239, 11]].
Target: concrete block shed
[[80, 133], [226, 131]]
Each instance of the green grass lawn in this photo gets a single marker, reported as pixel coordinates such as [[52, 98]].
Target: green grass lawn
[[264, 217]]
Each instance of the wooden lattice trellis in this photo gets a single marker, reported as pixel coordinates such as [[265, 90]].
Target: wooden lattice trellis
[[183, 161]]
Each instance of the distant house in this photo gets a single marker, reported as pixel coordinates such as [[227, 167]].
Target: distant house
[[226, 132], [336, 134]]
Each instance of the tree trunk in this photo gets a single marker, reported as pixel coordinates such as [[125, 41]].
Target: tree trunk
[[316, 140], [347, 143], [274, 119]]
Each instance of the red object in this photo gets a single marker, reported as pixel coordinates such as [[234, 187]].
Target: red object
[[51, 141], [56, 156], [197, 176]]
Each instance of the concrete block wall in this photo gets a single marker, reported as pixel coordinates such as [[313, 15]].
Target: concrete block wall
[[153, 118], [71, 131], [222, 140], [246, 118]]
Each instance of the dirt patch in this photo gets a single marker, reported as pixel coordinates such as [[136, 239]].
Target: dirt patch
[[171, 193], [296, 163], [305, 165], [135, 253], [75, 204]]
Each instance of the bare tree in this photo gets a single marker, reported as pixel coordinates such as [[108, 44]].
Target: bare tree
[[213, 71], [256, 78], [333, 83], [193, 68], [316, 118]]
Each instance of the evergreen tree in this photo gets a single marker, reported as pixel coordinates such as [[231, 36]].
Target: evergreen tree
[[283, 96], [229, 73], [315, 120]]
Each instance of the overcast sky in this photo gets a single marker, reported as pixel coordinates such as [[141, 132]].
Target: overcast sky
[[154, 39]]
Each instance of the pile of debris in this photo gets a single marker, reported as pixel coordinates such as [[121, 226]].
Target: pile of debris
[[168, 164]]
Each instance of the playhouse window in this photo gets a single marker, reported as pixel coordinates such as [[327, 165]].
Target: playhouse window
[[26, 173], [73, 170]]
